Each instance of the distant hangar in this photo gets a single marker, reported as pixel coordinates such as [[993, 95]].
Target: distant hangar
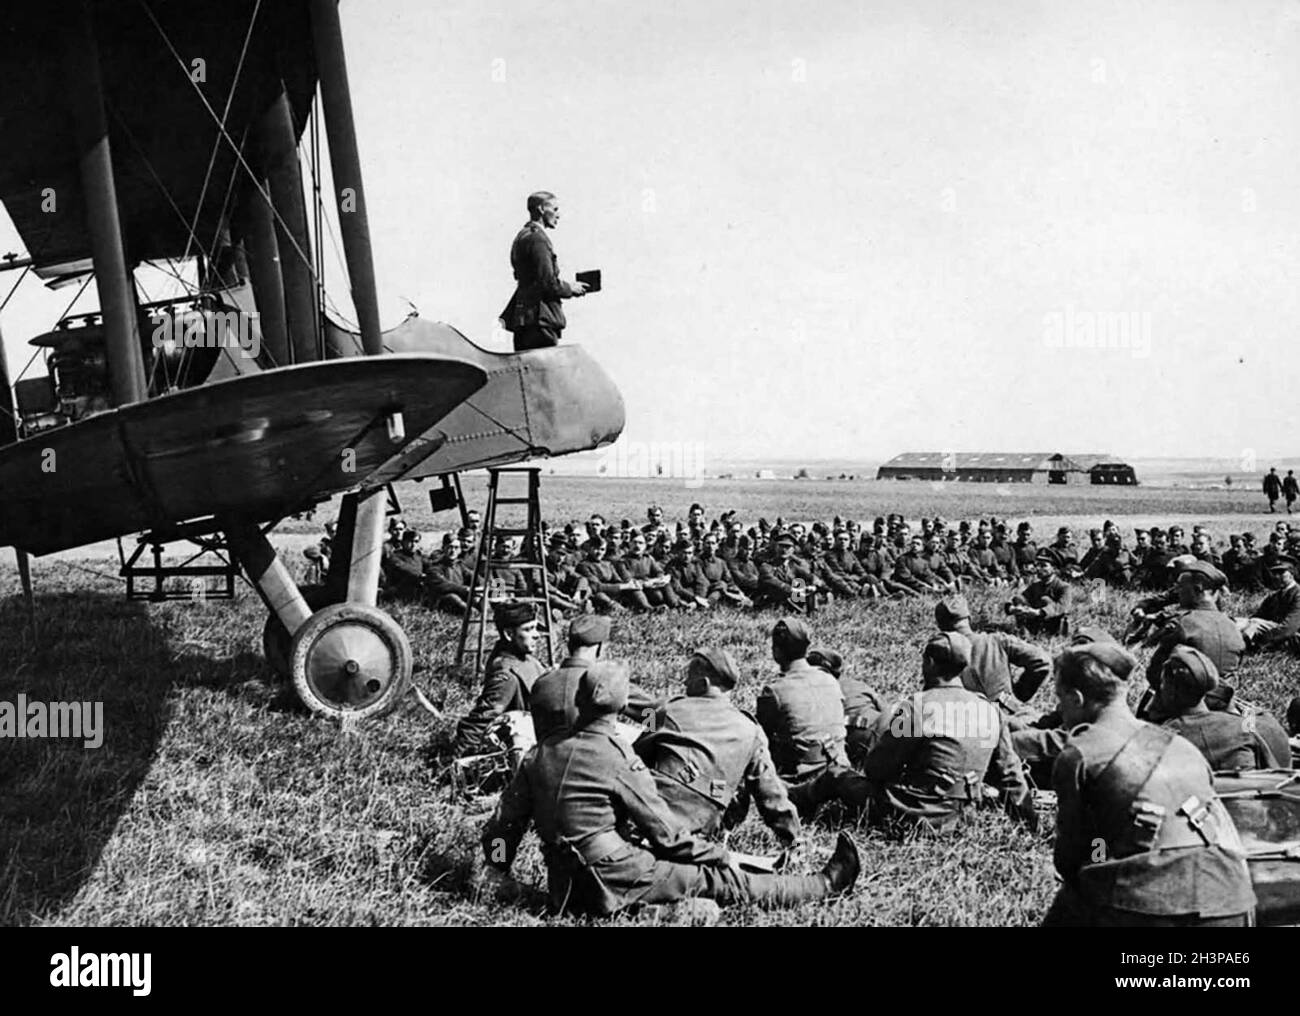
[[1008, 467]]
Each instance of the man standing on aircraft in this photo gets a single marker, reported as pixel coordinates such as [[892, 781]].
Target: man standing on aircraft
[[534, 313]]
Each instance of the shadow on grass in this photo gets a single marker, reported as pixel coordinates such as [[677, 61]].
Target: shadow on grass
[[60, 800]]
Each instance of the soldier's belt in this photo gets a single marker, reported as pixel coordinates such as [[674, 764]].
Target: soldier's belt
[[586, 850]]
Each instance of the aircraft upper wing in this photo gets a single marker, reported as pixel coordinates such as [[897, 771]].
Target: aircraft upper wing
[[156, 78], [260, 446]]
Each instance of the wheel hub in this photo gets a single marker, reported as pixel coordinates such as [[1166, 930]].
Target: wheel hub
[[350, 664]]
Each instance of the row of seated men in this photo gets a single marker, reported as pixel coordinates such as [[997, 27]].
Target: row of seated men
[[625, 822]]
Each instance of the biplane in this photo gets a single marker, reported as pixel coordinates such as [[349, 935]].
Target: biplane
[[169, 133]]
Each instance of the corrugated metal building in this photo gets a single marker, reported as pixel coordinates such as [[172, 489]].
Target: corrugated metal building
[[1106, 468], [984, 467]]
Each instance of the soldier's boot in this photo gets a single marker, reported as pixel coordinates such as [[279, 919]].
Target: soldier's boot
[[809, 795], [839, 873]]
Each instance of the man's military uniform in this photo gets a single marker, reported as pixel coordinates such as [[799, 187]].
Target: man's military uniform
[[992, 655], [588, 795], [776, 583], [1204, 628], [744, 573], [403, 571], [1281, 606], [1113, 564], [1171, 853], [507, 685], [643, 568], [1052, 595], [802, 713], [1024, 552], [717, 578], [708, 760], [534, 312], [914, 572], [606, 583], [1228, 742], [843, 574], [553, 702], [862, 706], [1006, 558], [932, 756]]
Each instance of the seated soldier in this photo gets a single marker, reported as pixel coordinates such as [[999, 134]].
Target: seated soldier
[[877, 567], [785, 583], [993, 657], [605, 581], [709, 759], [1199, 623], [1113, 564], [744, 570], [1170, 854], [721, 587], [508, 677], [1276, 621], [862, 706], [1228, 742], [553, 701], [403, 567], [653, 584], [842, 572], [936, 750], [588, 793], [688, 581], [447, 582], [802, 713], [912, 569], [1043, 606]]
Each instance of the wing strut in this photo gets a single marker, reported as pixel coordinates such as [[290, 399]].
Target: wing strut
[[112, 276], [345, 162]]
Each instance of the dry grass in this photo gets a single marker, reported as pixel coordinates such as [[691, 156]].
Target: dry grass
[[216, 800]]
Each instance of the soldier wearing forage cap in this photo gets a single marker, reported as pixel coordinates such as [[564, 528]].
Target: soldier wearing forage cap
[[508, 678], [1114, 564], [554, 698], [589, 794], [1276, 620], [936, 749], [777, 580], [802, 713], [1228, 741], [1096, 544], [1043, 606], [1025, 549], [993, 656], [1170, 855], [709, 759], [1199, 623]]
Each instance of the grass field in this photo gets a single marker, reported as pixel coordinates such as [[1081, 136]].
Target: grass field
[[215, 799]]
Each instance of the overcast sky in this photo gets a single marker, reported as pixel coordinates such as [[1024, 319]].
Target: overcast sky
[[852, 228]]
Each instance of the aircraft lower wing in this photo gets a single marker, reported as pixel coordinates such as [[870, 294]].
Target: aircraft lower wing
[[259, 446]]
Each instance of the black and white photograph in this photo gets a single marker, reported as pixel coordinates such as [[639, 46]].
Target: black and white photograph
[[591, 464]]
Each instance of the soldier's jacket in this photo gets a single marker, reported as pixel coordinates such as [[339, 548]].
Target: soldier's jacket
[[448, 577], [939, 566], [716, 573], [1154, 572], [603, 576], [992, 655], [709, 759], [1228, 741], [1121, 785], [508, 682], [1068, 556], [1053, 596], [914, 570], [688, 579], [1282, 606], [1204, 628], [862, 706], [844, 564], [587, 794], [876, 564], [640, 567], [1024, 553], [1006, 558], [728, 549], [936, 749], [553, 701], [1089, 556], [745, 575], [984, 564], [776, 580], [957, 562], [802, 713], [1272, 485], [1115, 566], [403, 570], [539, 289], [1241, 568]]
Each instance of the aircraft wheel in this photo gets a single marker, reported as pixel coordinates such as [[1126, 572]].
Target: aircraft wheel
[[275, 636], [350, 660]]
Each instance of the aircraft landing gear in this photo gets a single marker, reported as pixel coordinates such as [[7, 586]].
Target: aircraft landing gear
[[347, 659], [350, 660]]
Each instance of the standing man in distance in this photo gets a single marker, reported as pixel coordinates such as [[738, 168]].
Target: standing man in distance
[[534, 313]]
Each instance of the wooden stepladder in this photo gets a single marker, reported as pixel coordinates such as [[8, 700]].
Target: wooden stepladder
[[487, 586]]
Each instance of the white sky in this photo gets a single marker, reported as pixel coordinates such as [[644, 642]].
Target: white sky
[[840, 229]]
